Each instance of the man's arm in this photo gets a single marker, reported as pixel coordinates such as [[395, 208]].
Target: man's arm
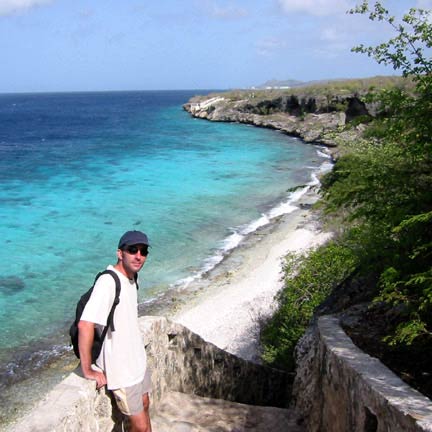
[[85, 341]]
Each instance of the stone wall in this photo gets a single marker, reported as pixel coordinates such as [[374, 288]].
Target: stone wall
[[339, 388], [180, 361]]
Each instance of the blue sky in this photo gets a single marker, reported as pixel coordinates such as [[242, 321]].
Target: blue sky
[[83, 45]]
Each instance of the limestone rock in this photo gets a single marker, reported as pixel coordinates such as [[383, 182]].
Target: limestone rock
[[319, 119]]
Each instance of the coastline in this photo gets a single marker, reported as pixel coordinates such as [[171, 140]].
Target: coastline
[[333, 121], [240, 293], [244, 286]]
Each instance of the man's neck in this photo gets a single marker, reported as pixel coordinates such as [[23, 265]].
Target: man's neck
[[123, 271]]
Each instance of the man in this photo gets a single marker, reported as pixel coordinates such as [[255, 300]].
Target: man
[[122, 361]]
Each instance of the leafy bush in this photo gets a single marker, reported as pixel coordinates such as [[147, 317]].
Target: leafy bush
[[307, 283], [377, 129], [401, 176], [382, 188]]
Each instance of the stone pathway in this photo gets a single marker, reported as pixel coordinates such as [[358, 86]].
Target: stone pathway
[[179, 412]]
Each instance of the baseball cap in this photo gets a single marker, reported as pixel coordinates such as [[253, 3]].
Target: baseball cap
[[132, 238]]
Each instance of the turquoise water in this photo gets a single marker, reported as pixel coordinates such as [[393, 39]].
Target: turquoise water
[[77, 170]]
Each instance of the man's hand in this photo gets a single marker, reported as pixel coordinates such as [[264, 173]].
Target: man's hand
[[97, 376], [86, 331]]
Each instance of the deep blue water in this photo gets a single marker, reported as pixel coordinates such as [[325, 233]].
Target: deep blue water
[[79, 169]]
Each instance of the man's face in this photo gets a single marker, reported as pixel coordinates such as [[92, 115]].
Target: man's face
[[133, 258]]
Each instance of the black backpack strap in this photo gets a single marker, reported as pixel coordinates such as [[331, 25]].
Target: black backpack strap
[[110, 320]]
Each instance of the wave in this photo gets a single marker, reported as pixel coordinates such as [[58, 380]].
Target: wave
[[27, 362], [239, 234]]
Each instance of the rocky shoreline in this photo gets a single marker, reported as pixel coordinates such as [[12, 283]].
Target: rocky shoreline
[[324, 120], [337, 122]]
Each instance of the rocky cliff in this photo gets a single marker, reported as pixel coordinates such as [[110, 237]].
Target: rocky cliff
[[318, 119]]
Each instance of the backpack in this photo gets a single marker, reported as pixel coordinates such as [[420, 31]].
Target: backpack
[[98, 338]]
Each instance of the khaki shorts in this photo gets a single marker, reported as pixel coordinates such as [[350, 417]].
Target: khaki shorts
[[130, 399]]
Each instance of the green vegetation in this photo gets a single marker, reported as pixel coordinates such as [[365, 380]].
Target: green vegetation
[[330, 88], [381, 192], [315, 278]]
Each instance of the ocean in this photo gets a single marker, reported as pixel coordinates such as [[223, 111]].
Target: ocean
[[79, 169]]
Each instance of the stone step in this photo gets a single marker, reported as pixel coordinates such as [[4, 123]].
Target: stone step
[[180, 412]]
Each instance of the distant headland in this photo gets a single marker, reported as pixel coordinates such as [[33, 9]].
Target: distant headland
[[324, 112]]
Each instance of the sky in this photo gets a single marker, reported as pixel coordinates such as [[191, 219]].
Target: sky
[[97, 45]]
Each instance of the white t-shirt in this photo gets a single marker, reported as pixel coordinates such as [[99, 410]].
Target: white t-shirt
[[123, 356]]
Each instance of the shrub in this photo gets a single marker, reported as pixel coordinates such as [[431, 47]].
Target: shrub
[[308, 281]]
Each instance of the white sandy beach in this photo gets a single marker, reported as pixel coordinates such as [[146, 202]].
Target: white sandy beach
[[227, 314]]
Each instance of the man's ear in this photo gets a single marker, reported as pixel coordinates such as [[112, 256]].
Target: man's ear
[[119, 254]]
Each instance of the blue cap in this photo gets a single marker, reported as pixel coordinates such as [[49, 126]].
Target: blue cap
[[130, 238]]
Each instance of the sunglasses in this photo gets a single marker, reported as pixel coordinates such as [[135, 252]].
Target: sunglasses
[[133, 250]]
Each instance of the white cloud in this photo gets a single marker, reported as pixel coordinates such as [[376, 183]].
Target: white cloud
[[228, 12], [86, 13], [8, 7], [338, 39], [316, 7], [214, 9], [424, 4], [267, 47], [330, 34]]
